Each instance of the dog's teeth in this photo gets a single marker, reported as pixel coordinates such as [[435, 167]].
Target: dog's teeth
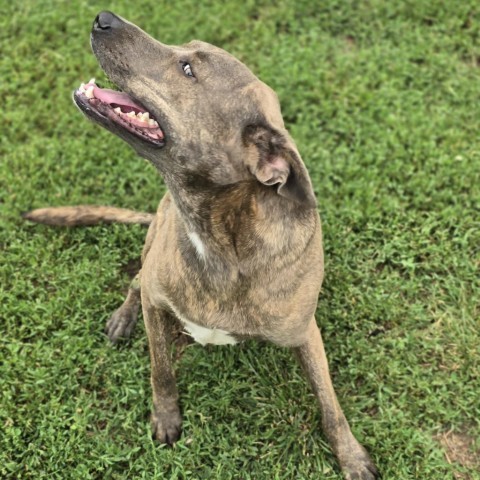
[[151, 122], [155, 123], [144, 117], [89, 92], [92, 80], [131, 114], [117, 110], [82, 88]]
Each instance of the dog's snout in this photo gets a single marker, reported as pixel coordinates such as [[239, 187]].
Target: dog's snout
[[106, 21]]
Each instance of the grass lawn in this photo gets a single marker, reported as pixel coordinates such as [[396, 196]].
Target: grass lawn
[[383, 100]]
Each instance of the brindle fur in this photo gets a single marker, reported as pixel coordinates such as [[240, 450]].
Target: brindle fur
[[237, 181], [87, 215]]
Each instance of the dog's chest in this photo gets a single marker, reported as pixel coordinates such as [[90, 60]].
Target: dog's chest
[[204, 336]]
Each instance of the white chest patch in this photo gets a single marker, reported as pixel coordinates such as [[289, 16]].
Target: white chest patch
[[197, 243], [204, 335]]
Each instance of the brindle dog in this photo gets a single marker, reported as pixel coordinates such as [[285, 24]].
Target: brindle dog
[[234, 251]]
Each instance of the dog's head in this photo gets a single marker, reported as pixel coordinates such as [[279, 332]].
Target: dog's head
[[195, 111]]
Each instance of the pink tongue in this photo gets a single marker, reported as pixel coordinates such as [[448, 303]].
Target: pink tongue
[[111, 96]]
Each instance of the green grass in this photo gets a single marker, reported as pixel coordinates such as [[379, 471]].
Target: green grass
[[383, 100]]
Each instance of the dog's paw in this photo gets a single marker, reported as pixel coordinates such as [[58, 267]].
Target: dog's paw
[[362, 472], [166, 426], [357, 465], [121, 323]]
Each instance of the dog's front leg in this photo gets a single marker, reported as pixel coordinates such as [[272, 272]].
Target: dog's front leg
[[353, 458], [166, 418], [123, 320]]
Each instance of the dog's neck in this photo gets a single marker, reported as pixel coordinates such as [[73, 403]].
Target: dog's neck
[[227, 223]]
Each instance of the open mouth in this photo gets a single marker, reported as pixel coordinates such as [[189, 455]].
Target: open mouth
[[120, 109]]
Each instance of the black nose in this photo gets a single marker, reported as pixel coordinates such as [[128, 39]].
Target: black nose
[[106, 21]]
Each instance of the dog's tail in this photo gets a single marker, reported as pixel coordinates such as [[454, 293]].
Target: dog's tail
[[87, 215]]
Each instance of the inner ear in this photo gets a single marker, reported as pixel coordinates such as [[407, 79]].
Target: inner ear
[[276, 161], [272, 170]]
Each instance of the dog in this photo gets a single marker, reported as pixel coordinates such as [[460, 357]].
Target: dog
[[234, 251]]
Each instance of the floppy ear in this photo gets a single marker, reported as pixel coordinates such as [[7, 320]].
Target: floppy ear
[[275, 161]]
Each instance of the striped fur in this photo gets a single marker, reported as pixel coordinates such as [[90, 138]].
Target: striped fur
[[85, 215]]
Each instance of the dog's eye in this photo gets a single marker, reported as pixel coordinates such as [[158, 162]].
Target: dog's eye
[[187, 69]]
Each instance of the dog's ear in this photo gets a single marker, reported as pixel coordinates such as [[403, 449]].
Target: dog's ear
[[273, 159]]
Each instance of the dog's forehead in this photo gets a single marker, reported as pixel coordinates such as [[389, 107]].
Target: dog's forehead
[[204, 52], [199, 46]]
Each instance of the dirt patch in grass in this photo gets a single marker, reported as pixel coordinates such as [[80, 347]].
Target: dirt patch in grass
[[460, 450]]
